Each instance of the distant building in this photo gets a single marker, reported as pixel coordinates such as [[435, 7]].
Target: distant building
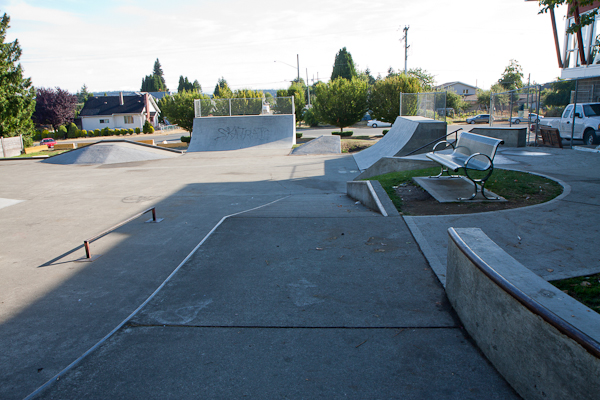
[[119, 112], [459, 88]]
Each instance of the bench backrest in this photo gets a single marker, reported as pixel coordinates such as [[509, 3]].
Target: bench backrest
[[470, 143]]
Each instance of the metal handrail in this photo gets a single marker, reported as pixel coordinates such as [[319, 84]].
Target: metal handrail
[[432, 142], [86, 243]]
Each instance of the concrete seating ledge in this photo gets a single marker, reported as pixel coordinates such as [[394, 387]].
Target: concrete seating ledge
[[545, 343], [372, 195]]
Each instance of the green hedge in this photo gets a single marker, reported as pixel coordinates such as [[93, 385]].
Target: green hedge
[[343, 134], [186, 139]]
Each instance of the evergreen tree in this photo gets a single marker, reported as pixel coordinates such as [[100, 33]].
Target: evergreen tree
[[156, 81], [159, 73], [343, 65], [196, 86], [83, 94], [181, 86], [16, 94], [222, 89]]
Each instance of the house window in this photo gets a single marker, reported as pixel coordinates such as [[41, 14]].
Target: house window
[[128, 119], [104, 121]]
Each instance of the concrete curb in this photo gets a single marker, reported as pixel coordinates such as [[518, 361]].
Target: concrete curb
[[372, 195], [544, 343]]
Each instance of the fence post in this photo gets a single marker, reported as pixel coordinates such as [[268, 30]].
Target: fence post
[[230, 107], [400, 111]]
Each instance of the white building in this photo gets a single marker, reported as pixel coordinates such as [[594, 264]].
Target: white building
[[119, 112], [459, 88]]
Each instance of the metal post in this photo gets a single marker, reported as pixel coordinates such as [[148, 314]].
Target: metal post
[[574, 108], [153, 214], [511, 107], [86, 244], [400, 111], [230, 107]]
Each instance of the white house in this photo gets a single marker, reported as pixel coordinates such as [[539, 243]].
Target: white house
[[459, 88], [119, 112]]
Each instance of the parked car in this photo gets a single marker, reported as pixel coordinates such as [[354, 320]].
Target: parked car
[[374, 123], [48, 142], [531, 118], [479, 118]]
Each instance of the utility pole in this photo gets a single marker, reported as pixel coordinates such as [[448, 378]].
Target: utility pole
[[406, 46], [307, 88]]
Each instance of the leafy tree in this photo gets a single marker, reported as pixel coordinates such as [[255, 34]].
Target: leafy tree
[[16, 94], [559, 93], [54, 106], [384, 99], [341, 102], [297, 91], [483, 98], [427, 80], [367, 77], [179, 108], [512, 77], [222, 89], [343, 66], [585, 19], [455, 101]]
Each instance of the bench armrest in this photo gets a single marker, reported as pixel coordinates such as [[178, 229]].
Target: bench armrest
[[440, 142], [476, 155]]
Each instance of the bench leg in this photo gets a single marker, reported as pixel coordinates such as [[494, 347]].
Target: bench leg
[[480, 181], [442, 170]]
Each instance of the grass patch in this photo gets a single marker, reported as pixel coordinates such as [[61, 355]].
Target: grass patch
[[42, 153], [585, 289], [511, 185]]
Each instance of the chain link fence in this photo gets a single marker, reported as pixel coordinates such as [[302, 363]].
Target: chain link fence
[[429, 105], [243, 106]]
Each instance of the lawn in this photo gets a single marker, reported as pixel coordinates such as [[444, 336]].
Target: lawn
[[585, 289], [514, 186]]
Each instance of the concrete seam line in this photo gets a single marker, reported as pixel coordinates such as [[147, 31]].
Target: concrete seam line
[[105, 338], [434, 262], [376, 198]]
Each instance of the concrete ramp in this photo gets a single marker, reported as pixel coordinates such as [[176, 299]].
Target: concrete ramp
[[320, 145], [406, 135], [113, 152], [244, 131]]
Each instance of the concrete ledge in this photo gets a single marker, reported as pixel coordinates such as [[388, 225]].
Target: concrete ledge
[[65, 146], [544, 343], [173, 145], [145, 141], [372, 195], [35, 149], [513, 137], [386, 165]]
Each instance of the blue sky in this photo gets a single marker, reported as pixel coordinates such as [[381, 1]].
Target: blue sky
[[112, 45]]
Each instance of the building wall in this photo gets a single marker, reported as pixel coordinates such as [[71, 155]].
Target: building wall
[[114, 122], [462, 89]]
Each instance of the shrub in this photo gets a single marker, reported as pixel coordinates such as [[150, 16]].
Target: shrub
[[310, 117], [148, 128], [385, 131], [343, 134], [62, 132], [84, 133], [298, 135], [137, 130], [130, 131], [186, 139], [27, 141], [105, 131], [72, 130], [96, 132], [45, 133]]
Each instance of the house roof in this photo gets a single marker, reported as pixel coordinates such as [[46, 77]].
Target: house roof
[[109, 105], [447, 84]]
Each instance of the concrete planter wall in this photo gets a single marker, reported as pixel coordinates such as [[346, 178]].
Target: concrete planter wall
[[513, 137], [544, 343]]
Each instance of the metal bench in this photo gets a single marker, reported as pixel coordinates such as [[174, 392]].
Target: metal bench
[[470, 152]]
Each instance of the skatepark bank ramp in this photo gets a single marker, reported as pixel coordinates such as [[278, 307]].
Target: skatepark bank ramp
[[240, 132], [406, 135]]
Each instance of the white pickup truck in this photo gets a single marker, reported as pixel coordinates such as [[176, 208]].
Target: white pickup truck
[[587, 122]]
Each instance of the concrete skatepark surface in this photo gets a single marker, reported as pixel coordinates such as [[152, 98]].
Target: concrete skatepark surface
[[346, 306]]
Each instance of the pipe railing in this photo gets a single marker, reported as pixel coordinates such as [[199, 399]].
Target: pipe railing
[[86, 243], [433, 141]]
